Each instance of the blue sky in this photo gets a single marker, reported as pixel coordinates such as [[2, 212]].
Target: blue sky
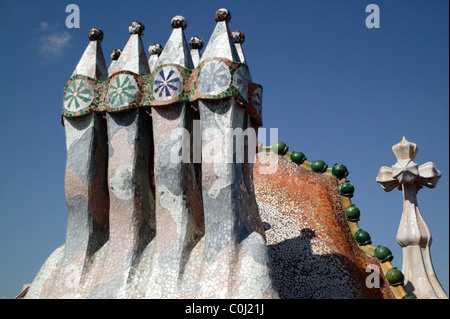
[[336, 90]]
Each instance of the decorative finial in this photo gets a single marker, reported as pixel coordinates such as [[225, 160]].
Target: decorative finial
[[136, 28], [413, 234], [95, 34], [238, 37], [115, 54], [405, 150], [155, 48], [196, 43], [178, 22], [222, 15]]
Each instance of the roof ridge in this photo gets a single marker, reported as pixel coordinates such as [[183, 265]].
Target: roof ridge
[[346, 189]]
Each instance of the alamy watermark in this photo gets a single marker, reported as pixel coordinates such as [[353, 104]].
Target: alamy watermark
[[373, 278], [73, 19], [373, 19], [213, 145]]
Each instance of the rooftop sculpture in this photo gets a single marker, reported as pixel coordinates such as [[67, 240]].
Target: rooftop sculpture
[[148, 217], [413, 234]]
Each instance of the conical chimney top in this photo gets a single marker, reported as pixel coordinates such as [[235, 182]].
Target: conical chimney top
[[133, 57], [92, 62], [176, 50], [220, 44]]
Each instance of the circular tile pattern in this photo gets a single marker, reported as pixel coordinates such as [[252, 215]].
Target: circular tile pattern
[[168, 83], [78, 95], [123, 90], [214, 78]]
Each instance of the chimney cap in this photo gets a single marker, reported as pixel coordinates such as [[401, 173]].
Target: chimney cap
[[238, 37], [155, 48], [222, 15], [136, 28], [115, 54], [178, 22], [95, 34], [196, 43]]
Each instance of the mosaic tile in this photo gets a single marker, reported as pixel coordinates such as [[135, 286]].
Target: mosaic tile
[[212, 79], [143, 225], [308, 237], [81, 96]]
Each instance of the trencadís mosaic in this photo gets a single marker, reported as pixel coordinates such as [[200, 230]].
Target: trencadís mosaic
[[216, 78]]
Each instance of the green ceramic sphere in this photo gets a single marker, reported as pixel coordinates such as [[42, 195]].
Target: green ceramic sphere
[[346, 189], [352, 213], [362, 237], [395, 277], [319, 166], [339, 170], [408, 296], [383, 253], [280, 148], [298, 157]]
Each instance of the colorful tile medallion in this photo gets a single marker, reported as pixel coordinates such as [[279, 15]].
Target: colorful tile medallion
[[214, 78], [82, 95], [123, 89], [169, 83]]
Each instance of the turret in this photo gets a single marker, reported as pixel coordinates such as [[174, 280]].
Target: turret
[[154, 50], [196, 45]]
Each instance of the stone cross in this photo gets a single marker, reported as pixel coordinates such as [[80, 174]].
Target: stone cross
[[413, 234]]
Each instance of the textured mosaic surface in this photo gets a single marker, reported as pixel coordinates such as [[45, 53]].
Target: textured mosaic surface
[[82, 95], [96, 35], [312, 250], [146, 220], [133, 57], [223, 15], [196, 43], [179, 22], [169, 83], [155, 48], [238, 37], [136, 28], [115, 54]]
